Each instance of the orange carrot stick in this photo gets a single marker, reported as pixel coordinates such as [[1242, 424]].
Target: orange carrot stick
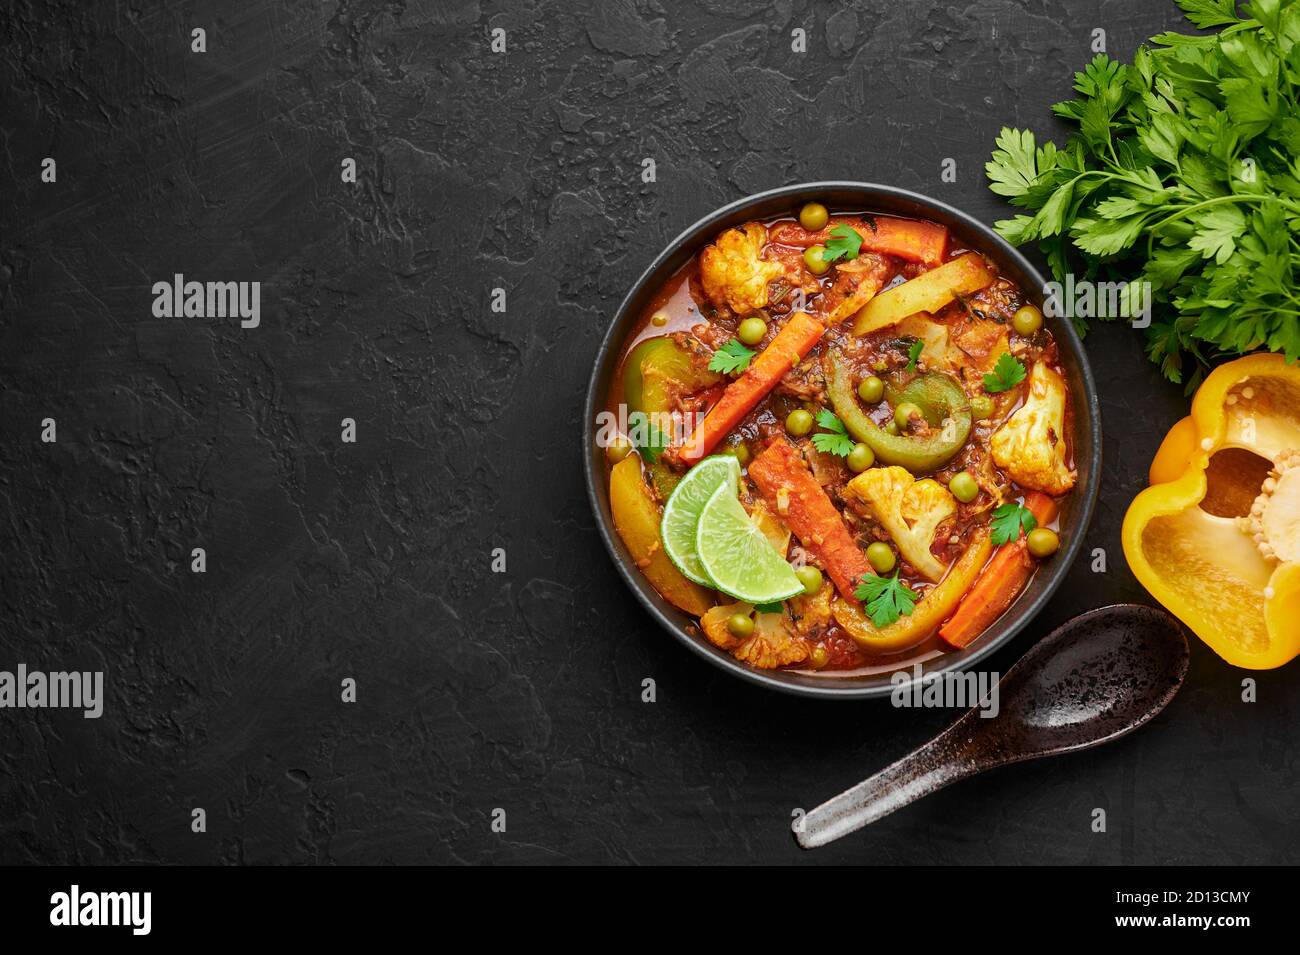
[[999, 583], [794, 494], [791, 344], [909, 239]]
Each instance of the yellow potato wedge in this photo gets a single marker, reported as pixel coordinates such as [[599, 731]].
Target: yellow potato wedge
[[939, 353], [928, 292], [636, 518]]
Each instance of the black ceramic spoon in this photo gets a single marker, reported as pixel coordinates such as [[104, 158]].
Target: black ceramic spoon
[[1095, 678]]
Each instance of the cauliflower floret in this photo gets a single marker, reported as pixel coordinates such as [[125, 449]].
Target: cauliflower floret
[[731, 272], [772, 644], [714, 624], [1030, 446], [910, 510], [812, 612], [1274, 520]]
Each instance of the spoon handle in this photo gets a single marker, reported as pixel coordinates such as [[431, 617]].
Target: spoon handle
[[945, 759]]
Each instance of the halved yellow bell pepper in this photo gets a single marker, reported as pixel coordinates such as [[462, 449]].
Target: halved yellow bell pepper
[[1174, 453], [1217, 543]]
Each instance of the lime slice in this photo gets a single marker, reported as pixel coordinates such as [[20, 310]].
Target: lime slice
[[682, 512], [736, 554]]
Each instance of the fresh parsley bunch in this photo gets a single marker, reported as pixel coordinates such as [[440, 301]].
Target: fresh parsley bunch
[[1183, 172]]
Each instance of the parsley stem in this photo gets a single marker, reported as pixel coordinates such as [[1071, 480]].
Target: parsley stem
[[1205, 203]]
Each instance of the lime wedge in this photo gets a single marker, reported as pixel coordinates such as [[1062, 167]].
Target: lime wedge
[[682, 512], [736, 554]]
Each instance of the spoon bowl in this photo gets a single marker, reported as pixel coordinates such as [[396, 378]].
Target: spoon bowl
[[1097, 677]]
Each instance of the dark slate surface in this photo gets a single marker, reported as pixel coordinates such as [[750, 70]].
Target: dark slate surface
[[371, 560]]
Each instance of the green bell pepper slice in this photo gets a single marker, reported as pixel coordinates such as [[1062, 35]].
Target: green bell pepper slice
[[938, 396], [655, 370], [652, 366]]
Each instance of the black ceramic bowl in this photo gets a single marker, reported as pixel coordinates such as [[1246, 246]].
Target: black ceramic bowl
[[852, 197]]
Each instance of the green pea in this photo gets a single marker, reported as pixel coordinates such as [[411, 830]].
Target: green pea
[[751, 331], [659, 319], [871, 389], [799, 423], [903, 414], [740, 624], [815, 258], [740, 452], [881, 557], [963, 487], [1042, 542], [981, 406], [818, 657], [617, 449], [860, 458], [1027, 320], [891, 427], [811, 578], [813, 216]]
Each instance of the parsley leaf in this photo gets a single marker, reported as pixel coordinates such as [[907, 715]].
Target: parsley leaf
[[731, 359], [914, 354], [774, 607], [835, 439], [885, 598], [1008, 520], [1104, 237], [646, 437], [844, 243], [1006, 374], [1210, 13], [1217, 230], [1251, 106], [1013, 170]]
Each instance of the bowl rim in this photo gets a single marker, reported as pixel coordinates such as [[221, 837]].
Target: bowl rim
[[844, 688]]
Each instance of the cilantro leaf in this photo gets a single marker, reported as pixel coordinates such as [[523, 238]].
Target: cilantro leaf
[[844, 243], [1006, 374], [885, 598], [914, 354], [774, 607], [835, 439], [731, 359], [1007, 522]]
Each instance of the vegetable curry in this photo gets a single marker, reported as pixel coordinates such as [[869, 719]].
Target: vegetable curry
[[842, 441]]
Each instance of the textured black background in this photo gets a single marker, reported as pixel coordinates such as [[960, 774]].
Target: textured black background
[[327, 560]]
